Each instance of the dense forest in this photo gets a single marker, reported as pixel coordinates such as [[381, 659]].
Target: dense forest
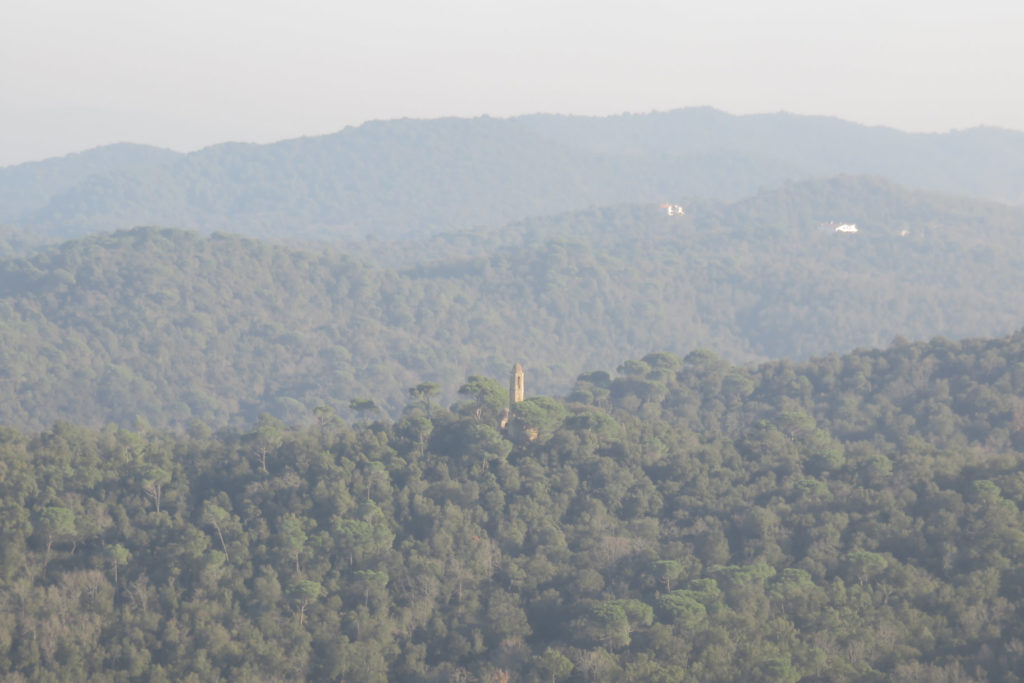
[[852, 517], [296, 459], [28, 186], [174, 327], [410, 177]]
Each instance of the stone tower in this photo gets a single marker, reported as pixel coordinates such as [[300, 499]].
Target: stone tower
[[516, 392]]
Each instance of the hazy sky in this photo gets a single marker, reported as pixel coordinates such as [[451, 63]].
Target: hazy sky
[[76, 74]]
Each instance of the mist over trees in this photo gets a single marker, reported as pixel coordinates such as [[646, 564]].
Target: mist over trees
[[411, 177], [296, 459], [173, 327]]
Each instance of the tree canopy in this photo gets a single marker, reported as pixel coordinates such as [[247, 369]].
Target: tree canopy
[[849, 517], [176, 328]]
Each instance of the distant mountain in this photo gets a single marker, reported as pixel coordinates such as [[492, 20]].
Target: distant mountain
[[983, 162], [173, 326], [26, 188], [412, 177], [19, 242]]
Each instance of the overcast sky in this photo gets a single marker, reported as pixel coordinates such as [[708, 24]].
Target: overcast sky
[[190, 73]]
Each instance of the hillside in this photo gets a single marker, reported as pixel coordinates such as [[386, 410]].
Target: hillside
[[855, 517], [173, 327], [26, 187], [983, 162], [409, 177]]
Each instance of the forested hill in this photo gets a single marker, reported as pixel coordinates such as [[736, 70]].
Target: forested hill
[[984, 162], [791, 212], [854, 517], [28, 186], [410, 177], [173, 327], [394, 178]]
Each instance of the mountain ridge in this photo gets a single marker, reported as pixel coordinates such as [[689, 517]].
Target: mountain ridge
[[177, 326], [413, 176]]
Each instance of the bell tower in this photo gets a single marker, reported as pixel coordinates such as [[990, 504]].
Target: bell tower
[[516, 392]]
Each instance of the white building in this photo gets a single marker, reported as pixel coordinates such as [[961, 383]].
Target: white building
[[838, 227]]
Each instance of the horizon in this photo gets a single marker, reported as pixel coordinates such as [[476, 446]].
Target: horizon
[[190, 75], [359, 124]]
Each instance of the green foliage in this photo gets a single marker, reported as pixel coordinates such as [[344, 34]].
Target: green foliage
[[180, 329], [608, 625], [674, 539], [667, 571], [538, 416], [682, 610], [488, 399], [554, 665], [424, 392], [118, 556], [363, 406]]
